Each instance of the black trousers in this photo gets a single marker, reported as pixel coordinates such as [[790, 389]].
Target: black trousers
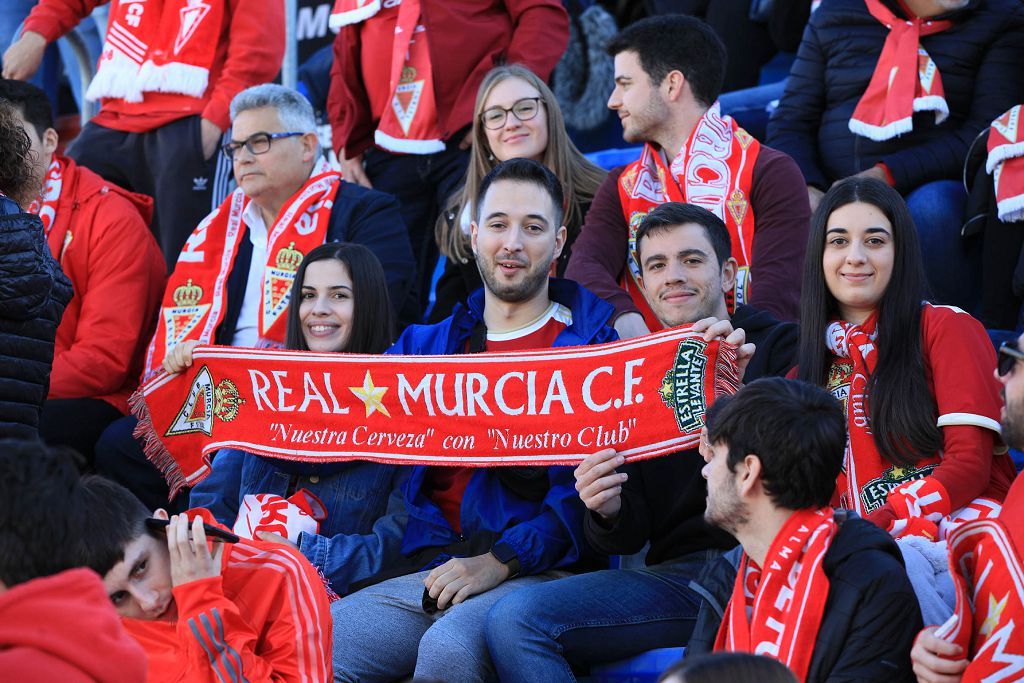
[[119, 456], [167, 164], [76, 423]]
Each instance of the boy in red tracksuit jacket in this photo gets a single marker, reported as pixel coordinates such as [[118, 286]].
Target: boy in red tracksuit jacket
[[245, 611]]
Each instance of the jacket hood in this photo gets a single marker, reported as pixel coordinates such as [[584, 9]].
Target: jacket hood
[[65, 623], [88, 185], [857, 535]]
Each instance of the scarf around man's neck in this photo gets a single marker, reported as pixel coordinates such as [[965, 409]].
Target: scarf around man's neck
[[45, 205], [777, 610], [194, 301], [714, 170], [1006, 164], [905, 80]]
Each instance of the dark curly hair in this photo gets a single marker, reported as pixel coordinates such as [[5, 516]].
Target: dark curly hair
[[16, 176]]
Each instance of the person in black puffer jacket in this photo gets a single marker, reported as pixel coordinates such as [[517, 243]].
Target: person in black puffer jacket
[[33, 291], [981, 62]]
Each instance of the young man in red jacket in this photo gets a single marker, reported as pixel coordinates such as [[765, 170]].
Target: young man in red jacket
[[98, 232], [166, 77], [245, 611], [403, 86]]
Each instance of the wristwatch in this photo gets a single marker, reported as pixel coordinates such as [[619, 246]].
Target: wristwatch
[[507, 556]]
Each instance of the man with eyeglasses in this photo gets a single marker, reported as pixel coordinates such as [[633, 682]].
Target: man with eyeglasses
[[232, 280], [984, 640]]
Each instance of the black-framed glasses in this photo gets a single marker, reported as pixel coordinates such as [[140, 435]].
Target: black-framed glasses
[[524, 110], [1009, 354], [257, 143]]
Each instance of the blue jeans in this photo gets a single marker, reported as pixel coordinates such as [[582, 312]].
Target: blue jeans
[[953, 265], [752, 107], [539, 633]]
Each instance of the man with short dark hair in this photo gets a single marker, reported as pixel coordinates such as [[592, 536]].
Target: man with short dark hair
[[668, 75], [242, 611], [821, 590], [684, 253], [476, 534], [56, 623]]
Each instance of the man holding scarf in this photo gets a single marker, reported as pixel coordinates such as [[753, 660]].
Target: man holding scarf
[[668, 75], [821, 590], [233, 279], [898, 90], [98, 232], [166, 76]]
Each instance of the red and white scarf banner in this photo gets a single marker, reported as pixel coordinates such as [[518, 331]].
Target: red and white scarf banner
[[1006, 164], [714, 170], [194, 301], [645, 397], [905, 80], [300, 513], [158, 46], [986, 568], [776, 611], [45, 205]]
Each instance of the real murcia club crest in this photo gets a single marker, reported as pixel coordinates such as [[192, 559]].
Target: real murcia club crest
[[186, 313], [407, 98], [205, 401], [278, 283], [634, 223], [738, 205], [191, 16], [682, 390]]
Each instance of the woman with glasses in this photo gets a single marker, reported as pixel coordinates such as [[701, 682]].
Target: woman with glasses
[[516, 116], [916, 379]]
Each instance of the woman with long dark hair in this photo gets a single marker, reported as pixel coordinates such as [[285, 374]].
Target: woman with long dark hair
[[916, 379], [339, 303]]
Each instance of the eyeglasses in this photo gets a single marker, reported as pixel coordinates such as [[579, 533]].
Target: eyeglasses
[[257, 143], [524, 110], [1009, 354]]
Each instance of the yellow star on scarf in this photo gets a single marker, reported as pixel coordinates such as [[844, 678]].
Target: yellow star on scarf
[[995, 613], [370, 396]]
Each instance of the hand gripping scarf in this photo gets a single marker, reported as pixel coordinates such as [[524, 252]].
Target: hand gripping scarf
[[906, 80], [985, 562], [714, 170], [194, 301], [1006, 164], [409, 125], [868, 481], [158, 46], [777, 611], [644, 397]]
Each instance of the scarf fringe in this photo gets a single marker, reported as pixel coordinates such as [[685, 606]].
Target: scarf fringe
[[116, 79], [1011, 210], [727, 379], [174, 77], [153, 448], [339, 19], [881, 133], [406, 146], [933, 103], [1003, 153]]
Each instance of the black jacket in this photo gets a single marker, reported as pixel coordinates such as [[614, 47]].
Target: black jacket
[[980, 58], [359, 215], [871, 614], [33, 294], [663, 499]]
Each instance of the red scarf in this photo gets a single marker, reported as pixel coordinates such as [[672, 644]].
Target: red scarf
[[777, 611], [194, 302], [714, 170], [45, 205], [409, 124], [1006, 164], [906, 80], [158, 46]]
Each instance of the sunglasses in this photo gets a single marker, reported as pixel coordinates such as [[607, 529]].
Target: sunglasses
[[1009, 354]]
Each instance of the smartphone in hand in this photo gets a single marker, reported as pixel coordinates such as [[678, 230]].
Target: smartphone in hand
[[212, 532]]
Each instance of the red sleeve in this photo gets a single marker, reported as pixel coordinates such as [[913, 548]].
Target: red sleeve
[[540, 35], [256, 39], [348, 105], [125, 282], [782, 217], [53, 18], [598, 258]]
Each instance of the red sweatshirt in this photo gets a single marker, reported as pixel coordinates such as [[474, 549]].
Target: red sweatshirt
[[63, 628], [467, 39], [249, 52], [266, 617], [101, 238]]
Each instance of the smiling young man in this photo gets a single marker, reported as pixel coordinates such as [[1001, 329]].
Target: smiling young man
[[244, 611], [668, 75], [685, 258]]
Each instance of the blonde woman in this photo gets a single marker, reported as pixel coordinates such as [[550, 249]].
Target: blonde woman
[[516, 116]]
